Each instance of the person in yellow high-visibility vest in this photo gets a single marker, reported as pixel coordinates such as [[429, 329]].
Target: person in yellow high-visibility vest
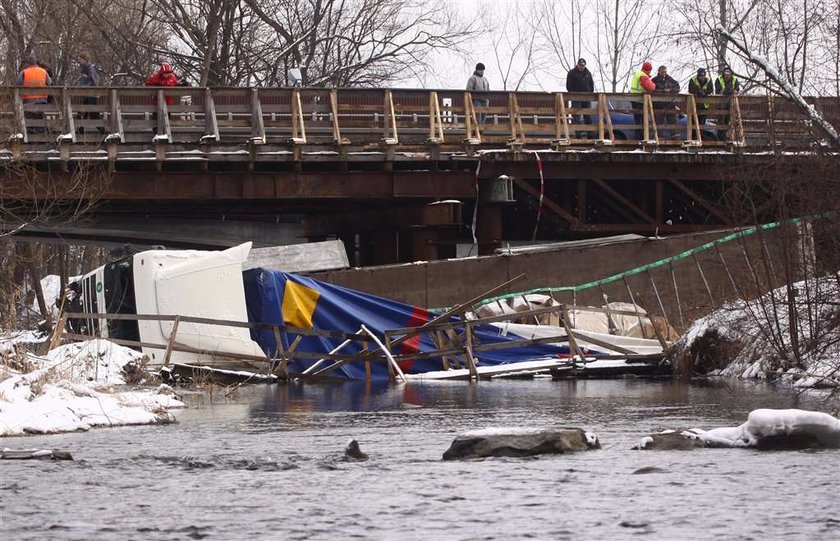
[[641, 83], [726, 85], [701, 86]]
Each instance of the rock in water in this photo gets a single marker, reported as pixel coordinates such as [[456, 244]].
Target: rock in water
[[788, 429], [649, 469], [42, 454], [353, 451], [670, 441], [517, 442]]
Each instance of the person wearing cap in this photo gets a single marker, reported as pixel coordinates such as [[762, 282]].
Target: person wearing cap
[[726, 85], [579, 79], [700, 86], [641, 83], [665, 84], [164, 76], [478, 83]]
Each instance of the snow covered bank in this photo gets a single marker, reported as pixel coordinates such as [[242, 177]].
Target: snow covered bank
[[72, 389], [765, 428], [766, 338], [28, 406]]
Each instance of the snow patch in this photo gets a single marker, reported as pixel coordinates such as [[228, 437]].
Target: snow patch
[[72, 388], [767, 423], [66, 406], [93, 360]]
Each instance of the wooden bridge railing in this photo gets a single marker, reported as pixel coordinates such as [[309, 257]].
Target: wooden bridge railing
[[396, 118]]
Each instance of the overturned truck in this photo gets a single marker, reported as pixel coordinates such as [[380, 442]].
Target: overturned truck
[[200, 308]]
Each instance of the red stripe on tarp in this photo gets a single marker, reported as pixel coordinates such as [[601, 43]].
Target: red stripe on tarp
[[418, 317]]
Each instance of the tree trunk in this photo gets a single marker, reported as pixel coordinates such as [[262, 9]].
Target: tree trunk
[[35, 276], [721, 41]]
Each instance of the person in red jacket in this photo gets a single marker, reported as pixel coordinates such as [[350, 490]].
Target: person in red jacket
[[164, 76]]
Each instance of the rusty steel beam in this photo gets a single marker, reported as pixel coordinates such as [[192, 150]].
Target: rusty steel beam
[[701, 200], [372, 218], [567, 216], [624, 201], [249, 185], [619, 170]]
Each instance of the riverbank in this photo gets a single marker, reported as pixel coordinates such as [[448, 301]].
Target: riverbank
[[77, 387], [770, 338]]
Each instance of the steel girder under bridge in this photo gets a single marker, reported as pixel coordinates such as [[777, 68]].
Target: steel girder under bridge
[[223, 165]]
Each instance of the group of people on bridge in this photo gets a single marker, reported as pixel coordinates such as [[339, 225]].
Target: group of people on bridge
[[579, 79], [37, 75]]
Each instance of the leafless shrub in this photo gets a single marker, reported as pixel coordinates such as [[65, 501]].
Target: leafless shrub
[[138, 372]]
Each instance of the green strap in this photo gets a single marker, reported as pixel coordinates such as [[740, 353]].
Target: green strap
[[644, 268]]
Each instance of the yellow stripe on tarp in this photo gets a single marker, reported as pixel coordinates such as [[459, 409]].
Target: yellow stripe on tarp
[[299, 304]]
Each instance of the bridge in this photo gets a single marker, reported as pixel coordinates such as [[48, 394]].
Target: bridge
[[395, 173]]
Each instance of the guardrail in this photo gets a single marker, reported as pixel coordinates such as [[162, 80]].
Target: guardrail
[[454, 342], [447, 120]]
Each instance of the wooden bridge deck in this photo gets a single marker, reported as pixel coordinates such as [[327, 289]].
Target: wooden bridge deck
[[273, 125]]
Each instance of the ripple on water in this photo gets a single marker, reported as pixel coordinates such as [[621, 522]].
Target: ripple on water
[[222, 471]]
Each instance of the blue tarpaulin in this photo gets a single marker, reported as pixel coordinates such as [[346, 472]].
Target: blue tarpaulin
[[288, 299]]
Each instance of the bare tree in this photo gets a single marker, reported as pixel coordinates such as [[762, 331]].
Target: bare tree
[[117, 33], [626, 35], [213, 42], [798, 36], [831, 52], [565, 30], [357, 43], [515, 47]]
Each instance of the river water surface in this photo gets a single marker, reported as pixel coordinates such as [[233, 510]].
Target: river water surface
[[268, 464]]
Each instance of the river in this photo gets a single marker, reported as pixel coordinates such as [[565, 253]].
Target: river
[[267, 463]]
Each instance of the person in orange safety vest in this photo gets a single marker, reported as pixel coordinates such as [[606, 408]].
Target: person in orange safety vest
[[33, 76]]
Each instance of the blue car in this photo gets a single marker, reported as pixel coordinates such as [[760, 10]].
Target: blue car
[[622, 120]]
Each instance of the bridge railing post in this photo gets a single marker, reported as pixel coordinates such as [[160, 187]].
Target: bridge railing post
[[298, 126], [471, 121], [116, 121], [257, 123], [649, 120], [435, 121], [693, 132], [20, 119], [517, 133], [211, 123], [561, 121]]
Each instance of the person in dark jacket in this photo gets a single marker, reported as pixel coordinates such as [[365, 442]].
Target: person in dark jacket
[[579, 79], [700, 86], [87, 72], [667, 85], [87, 77]]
